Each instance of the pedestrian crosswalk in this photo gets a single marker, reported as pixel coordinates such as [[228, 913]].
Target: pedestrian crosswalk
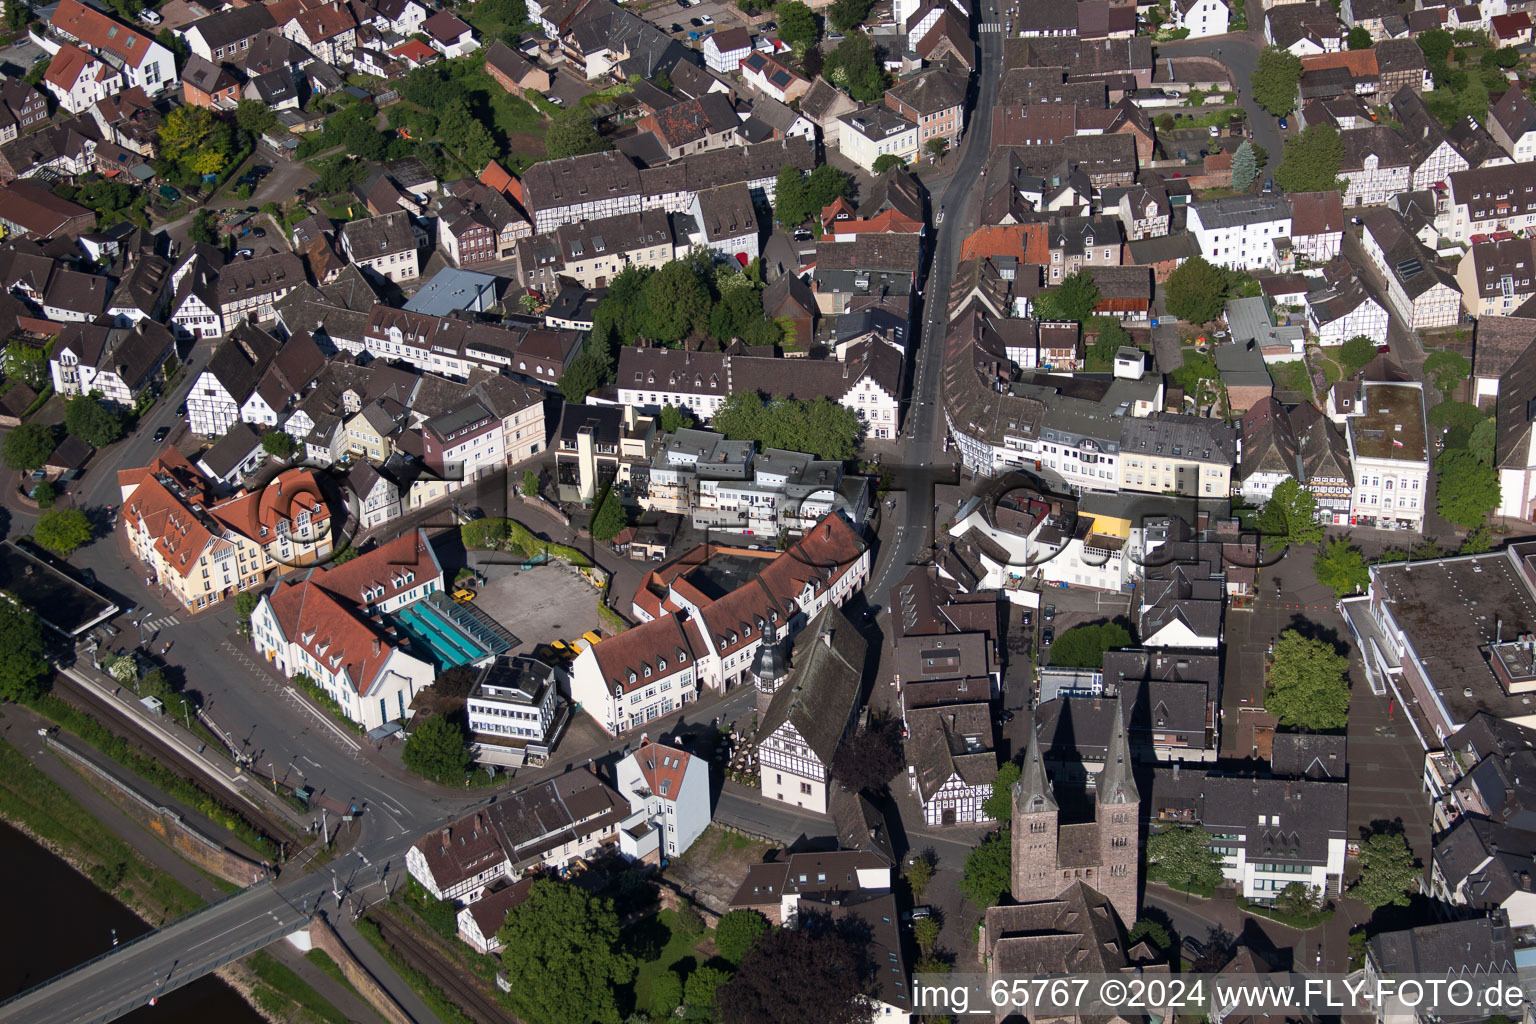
[[150, 625], [991, 26]]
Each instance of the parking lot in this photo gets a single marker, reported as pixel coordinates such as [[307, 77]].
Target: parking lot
[[545, 603], [666, 14]]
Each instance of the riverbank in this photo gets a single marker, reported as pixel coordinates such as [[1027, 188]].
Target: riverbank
[[40, 808]]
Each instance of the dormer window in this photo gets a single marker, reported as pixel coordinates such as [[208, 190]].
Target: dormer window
[[661, 664], [647, 671]]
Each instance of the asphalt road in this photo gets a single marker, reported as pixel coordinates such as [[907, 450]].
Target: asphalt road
[[1240, 52]]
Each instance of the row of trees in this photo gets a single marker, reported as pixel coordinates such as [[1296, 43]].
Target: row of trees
[[690, 297], [820, 427]]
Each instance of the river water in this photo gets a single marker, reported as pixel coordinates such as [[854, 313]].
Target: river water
[[60, 919]]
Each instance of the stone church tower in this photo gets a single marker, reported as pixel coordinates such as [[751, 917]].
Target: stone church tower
[[1049, 857]]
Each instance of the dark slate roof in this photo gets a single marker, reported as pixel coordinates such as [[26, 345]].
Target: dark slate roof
[[821, 696], [1479, 945]]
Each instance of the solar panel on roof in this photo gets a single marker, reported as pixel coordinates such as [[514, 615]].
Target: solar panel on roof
[[1409, 267]]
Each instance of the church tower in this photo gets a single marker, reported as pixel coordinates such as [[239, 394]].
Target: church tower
[[1118, 814], [1036, 827], [770, 668]]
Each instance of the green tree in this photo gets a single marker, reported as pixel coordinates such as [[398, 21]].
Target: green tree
[[204, 228], [666, 994], [530, 483], [1290, 515], [1355, 353], [1193, 376], [814, 972], [279, 443], [791, 208], [1388, 873], [1109, 336], [988, 874], [886, 162], [847, 15], [609, 520], [22, 664], [45, 495], [673, 419], [1245, 167], [564, 947], [581, 378], [1437, 45], [437, 749], [999, 806], [1196, 291], [1447, 369], [1181, 856], [700, 992], [935, 147], [1480, 442], [92, 420], [821, 427], [826, 183], [1359, 38], [918, 874], [1467, 488], [925, 932], [1312, 160], [1084, 646], [62, 530], [678, 300], [1152, 932], [245, 607], [27, 447], [1308, 686], [856, 67], [1275, 80], [572, 132], [1457, 420], [1478, 542], [255, 117], [1299, 899], [1073, 301], [737, 931], [798, 26]]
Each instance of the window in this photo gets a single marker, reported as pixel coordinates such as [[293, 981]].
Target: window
[[805, 788]]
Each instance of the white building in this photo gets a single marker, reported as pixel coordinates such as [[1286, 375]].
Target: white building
[[1419, 288], [385, 245], [1345, 311], [79, 79], [144, 63], [1201, 17], [1490, 199], [515, 711], [671, 788], [1384, 424], [870, 133], [323, 628], [724, 51], [1240, 233], [117, 363], [662, 664]]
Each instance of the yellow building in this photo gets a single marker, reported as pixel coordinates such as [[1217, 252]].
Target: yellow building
[[203, 553]]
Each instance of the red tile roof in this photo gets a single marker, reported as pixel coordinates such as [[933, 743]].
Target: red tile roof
[[1028, 243], [65, 68], [100, 32], [663, 767]]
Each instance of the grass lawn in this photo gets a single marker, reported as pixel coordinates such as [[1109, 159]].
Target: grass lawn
[[678, 947], [291, 988], [1291, 376]]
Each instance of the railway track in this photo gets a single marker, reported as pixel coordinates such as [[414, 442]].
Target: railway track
[[123, 724], [447, 974]]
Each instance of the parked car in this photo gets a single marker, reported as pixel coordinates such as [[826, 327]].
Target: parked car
[[1284, 124], [1215, 131], [684, 4], [1047, 637], [245, 252], [259, 232], [555, 101], [676, 28], [150, 17], [706, 19], [1192, 948], [162, 434], [1004, 717], [1050, 613], [1383, 349], [695, 22], [916, 913]]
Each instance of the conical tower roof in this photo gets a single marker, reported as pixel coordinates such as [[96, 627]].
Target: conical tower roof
[[1032, 793], [772, 660], [1116, 786]]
